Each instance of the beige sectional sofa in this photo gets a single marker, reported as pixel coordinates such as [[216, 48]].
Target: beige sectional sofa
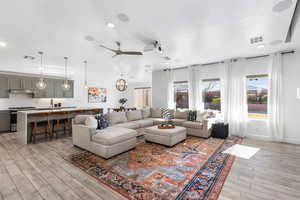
[[141, 119], [124, 128]]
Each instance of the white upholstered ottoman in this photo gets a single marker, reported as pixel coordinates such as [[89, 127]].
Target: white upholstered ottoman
[[168, 137]]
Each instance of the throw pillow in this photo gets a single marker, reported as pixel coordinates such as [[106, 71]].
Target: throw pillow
[[117, 117], [181, 115], [102, 122], [80, 119], [134, 115], [192, 115], [146, 113], [166, 114], [155, 112], [91, 122]]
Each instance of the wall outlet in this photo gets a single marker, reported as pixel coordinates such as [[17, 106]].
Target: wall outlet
[[298, 93]]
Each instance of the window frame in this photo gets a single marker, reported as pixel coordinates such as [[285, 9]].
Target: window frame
[[188, 90], [142, 88], [202, 92], [247, 103]]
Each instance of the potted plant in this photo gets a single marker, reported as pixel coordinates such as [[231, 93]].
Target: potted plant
[[122, 101]]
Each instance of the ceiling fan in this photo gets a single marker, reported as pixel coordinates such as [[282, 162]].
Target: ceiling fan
[[120, 52], [116, 51]]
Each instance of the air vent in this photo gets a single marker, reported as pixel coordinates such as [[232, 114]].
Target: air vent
[[256, 40]]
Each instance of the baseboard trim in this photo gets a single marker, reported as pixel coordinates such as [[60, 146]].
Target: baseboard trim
[[291, 140], [267, 138]]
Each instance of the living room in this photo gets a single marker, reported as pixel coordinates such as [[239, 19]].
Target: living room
[[149, 99]]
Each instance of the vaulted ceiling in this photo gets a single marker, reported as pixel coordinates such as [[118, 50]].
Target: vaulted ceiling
[[193, 31]]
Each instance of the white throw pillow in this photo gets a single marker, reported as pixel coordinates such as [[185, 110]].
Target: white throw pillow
[[80, 119], [181, 115], [91, 122], [156, 112], [134, 115]]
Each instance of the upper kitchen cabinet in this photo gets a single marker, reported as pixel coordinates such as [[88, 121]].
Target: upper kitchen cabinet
[[27, 83], [48, 92], [58, 92], [4, 87], [15, 83], [69, 93]]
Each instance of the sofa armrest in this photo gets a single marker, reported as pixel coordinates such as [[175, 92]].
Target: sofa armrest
[[81, 135]]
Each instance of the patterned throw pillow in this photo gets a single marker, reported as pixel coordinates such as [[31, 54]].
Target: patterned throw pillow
[[102, 122], [166, 114]]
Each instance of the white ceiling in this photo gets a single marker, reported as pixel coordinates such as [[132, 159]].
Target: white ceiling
[[193, 31]]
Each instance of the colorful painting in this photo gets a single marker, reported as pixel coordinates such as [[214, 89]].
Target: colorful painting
[[97, 95]]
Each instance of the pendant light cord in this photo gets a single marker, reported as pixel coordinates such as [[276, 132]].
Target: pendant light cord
[[66, 71], [42, 70]]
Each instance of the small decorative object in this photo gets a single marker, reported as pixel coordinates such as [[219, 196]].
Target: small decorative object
[[166, 126], [66, 86], [166, 114], [122, 101], [41, 85], [121, 84], [97, 95]]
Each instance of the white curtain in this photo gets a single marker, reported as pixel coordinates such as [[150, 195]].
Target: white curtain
[[171, 100], [235, 104], [191, 83], [198, 98], [275, 105]]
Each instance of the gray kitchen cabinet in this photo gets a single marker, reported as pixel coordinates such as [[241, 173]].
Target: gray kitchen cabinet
[[4, 121], [15, 83], [58, 91], [4, 87], [27, 83], [48, 92], [69, 93]]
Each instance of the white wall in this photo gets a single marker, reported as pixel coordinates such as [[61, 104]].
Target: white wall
[[255, 128], [129, 93]]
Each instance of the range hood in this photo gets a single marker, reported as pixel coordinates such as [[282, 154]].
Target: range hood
[[21, 91]]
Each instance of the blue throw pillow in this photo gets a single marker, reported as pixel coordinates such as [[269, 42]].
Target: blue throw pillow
[[102, 122]]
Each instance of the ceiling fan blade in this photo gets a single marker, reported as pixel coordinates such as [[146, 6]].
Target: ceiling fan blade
[[113, 50], [137, 53]]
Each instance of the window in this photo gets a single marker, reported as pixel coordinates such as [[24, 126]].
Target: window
[[257, 95], [181, 94], [142, 97], [211, 94]]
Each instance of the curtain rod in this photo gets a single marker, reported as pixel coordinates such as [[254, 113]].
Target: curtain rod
[[233, 59]]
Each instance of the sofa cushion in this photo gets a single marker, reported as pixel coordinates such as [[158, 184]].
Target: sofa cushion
[[144, 123], [204, 116], [181, 114], [155, 112], [178, 122], [80, 119], [189, 124], [131, 125], [91, 122], [146, 113], [117, 117], [134, 115], [113, 135]]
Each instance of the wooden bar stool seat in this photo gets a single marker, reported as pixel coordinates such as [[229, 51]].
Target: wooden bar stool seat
[[40, 125]]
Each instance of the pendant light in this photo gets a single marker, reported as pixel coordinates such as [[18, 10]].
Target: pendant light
[[121, 84], [41, 85], [66, 85], [85, 75]]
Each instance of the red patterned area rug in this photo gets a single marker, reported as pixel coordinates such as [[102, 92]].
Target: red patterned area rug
[[193, 169]]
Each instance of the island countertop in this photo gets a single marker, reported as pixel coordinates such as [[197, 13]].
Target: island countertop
[[24, 119]]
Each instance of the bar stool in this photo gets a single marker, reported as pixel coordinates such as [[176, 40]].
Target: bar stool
[[40, 124], [60, 122]]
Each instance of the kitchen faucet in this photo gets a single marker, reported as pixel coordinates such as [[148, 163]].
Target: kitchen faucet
[[52, 104]]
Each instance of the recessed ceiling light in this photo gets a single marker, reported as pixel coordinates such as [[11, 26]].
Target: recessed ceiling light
[[260, 46], [123, 17], [282, 5], [110, 25], [3, 44]]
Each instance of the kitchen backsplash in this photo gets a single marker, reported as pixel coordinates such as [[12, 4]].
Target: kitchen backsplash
[[17, 100]]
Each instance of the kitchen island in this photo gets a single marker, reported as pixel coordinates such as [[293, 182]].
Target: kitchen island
[[24, 119]]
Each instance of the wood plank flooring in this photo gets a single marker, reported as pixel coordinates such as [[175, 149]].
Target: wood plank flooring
[[37, 171]]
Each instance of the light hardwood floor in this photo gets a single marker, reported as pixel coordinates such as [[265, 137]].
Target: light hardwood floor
[[38, 171]]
